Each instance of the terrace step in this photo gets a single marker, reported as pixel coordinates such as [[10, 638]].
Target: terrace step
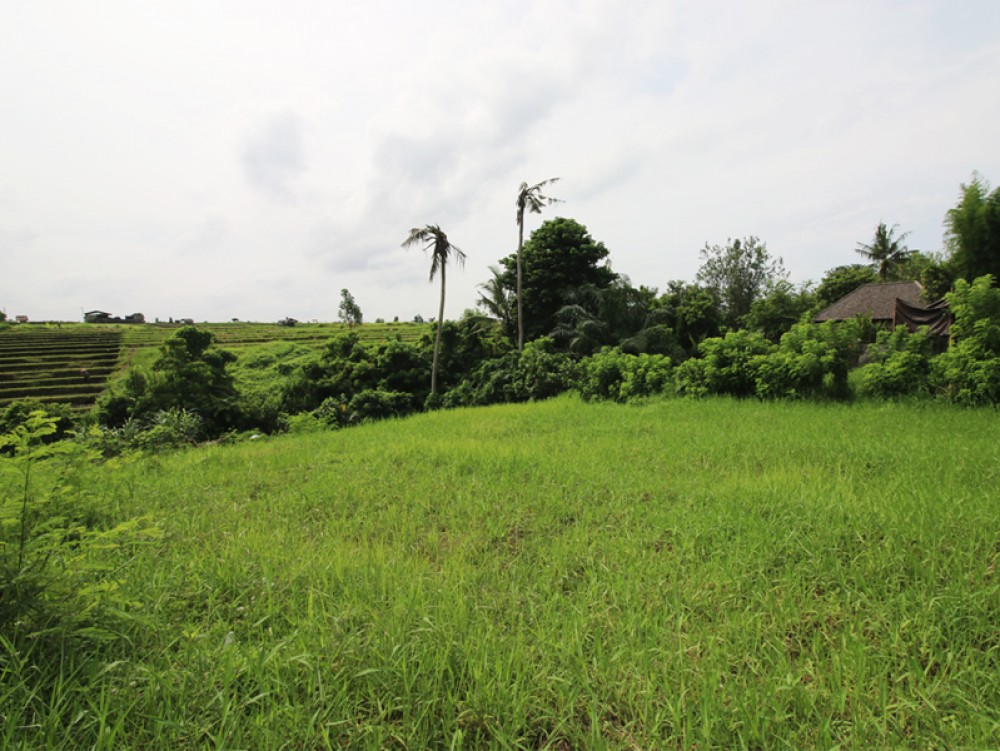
[[11, 393]]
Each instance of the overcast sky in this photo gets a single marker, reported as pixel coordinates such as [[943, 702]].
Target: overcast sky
[[249, 159]]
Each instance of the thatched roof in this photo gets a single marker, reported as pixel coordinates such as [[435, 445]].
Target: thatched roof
[[877, 301]]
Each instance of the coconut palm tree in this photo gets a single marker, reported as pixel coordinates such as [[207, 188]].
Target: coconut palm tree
[[528, 197], [885, 251], [495, 299], [436, 241]]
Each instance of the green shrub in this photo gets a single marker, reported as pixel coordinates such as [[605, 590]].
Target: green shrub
[[376, 404], [538, 372], [969, 372], [190, 374], [725, 366], [543, 372], [899, 364], [170, 428], [811, 361], [58, 552], [17, 413], [964, 376], [616, 376], [349, 367], [787, 375]]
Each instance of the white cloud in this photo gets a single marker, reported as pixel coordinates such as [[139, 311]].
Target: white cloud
[[251, 160], [273, 157]]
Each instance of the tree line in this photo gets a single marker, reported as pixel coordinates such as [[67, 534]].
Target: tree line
[[554, 316]]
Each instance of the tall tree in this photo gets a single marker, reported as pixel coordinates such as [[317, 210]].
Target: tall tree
[[350, 311], [739, 272], [436, 242], [559, 258], [885, 252], [842, 280], [972, 230], [693, 312], [528, 197]]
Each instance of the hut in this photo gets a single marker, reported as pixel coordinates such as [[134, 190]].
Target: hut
[[893, 304]]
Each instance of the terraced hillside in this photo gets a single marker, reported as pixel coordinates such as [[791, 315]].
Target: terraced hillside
[[56, 365], [72, 363], [238, 334]]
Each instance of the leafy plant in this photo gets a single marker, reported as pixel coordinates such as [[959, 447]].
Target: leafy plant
[[725, 366], [898, 364], [969, 372], [57, 556], [617, 376]]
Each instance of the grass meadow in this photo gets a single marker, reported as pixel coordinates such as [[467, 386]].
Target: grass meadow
[[677, 574]]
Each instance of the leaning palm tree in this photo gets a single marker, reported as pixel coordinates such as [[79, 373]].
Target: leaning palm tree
[[436, 241], [885, 251], [528, 197]]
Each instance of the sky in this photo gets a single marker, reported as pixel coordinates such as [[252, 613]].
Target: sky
[[249, 159]]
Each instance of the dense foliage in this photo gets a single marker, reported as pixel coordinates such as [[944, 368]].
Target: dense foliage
[[743, 330], [190, 374], [739, 273], [559, 258], [973, 230]]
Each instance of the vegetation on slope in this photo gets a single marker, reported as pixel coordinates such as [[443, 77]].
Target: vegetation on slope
[[710, 574]]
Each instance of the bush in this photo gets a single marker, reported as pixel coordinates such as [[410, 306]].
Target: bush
[[348, 367], [57, 551], [898, 364], [812, 360], [787, 375], [616, 376], [725, 366], [18, 412], [538, 372], [189, 375], [964, 376], [543, 372], [969, 372], [375, 404], [170, 428]]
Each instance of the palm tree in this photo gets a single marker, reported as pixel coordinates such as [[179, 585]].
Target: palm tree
[[496, 300], [436, 241], [885, 252], [528, 197]]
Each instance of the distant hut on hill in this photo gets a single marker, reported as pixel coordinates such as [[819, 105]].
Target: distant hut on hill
[[100, 316]]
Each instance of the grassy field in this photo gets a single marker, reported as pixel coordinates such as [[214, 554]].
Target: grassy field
[[674, 575]]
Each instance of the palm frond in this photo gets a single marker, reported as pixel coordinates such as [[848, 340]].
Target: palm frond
[[530, 197], [435, 241]]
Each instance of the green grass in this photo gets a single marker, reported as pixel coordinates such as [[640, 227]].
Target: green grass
[[690, 575]]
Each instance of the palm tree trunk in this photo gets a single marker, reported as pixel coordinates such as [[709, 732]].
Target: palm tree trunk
[[437, 339], [520, 307]]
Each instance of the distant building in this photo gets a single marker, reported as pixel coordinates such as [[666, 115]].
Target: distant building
[[100, 316], [21, 319]]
